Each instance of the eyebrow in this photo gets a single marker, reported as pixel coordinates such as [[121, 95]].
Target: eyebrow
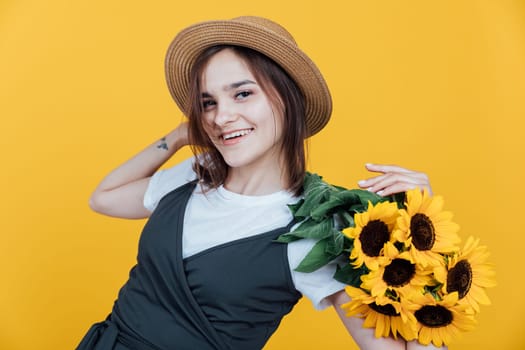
[[238, 84], [232, 86]]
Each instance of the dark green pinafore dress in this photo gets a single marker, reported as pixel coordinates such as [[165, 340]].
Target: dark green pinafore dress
[[232, 296]]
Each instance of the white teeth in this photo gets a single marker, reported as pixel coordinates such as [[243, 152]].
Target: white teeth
[[236, 134]]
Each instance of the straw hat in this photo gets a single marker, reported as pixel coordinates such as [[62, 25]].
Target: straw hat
[[259, 34]]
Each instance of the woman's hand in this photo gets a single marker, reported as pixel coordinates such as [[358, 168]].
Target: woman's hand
[[121, 192], [394, 179], [181, 135]]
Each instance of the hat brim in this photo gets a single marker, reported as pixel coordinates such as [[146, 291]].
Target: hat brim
[[192, 41]]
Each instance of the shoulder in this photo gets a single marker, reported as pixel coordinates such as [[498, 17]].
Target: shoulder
[[316, 285], [166, 180]]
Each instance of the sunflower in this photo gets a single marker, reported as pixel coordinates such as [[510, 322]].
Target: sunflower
[[440, 321], [469, 274], [401, 276], [372, 230], [390, 317], [426, 229]]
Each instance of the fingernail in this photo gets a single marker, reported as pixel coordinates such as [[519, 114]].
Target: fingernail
[[361, 182], [368, 164], [369, 189], [380, 192]]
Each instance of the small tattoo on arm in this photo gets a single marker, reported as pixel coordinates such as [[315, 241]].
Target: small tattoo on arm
[[163, 144]]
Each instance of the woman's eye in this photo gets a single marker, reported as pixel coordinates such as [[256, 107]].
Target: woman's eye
[[207, 104], [243, 94]]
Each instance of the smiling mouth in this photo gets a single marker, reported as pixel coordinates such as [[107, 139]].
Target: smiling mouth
[[236, 134]]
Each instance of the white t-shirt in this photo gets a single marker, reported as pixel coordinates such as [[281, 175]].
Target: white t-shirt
[[220, 216]]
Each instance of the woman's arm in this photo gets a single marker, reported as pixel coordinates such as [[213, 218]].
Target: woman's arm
[[121, 192], [364, 337], [393, 179]]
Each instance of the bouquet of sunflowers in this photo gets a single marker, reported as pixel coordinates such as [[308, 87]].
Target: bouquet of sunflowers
[[404, 269]]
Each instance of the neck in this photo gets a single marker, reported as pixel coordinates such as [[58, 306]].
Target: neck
[[256, 182]]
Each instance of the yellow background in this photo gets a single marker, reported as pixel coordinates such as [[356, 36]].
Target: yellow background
[[436, 86]]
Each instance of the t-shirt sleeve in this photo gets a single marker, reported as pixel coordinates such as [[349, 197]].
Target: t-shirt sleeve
[[166, 180], [316, 285]]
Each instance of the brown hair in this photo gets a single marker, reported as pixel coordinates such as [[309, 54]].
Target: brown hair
[[284, 94]]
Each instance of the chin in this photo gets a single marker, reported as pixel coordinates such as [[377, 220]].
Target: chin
[[237, 162], [234, 163]]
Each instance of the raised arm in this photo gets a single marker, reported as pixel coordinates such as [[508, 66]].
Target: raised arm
[[121, 192]]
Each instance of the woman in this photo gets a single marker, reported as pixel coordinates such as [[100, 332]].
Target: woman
[[209, 273]]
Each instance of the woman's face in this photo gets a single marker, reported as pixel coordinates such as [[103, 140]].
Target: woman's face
[[238, 116]]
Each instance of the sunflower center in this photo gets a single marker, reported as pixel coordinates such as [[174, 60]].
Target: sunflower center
[[459, 278], [434, 316], [387, 309], [399, 272], [373, 237], [422, 230]]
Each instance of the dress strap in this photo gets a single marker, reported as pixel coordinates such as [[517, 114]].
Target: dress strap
[[192, 307]]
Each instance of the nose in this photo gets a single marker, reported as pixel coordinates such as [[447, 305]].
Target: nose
[[225, 113]]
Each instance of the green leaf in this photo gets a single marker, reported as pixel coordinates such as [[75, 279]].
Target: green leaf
[[400, 246], [348, 244], [326, 209], [399, 198], [315, 230], [348, 197], [316, 258], [355, 196], [392, 294], [348, 219], [336, 244], [339, 222], [294, 207], [434, 291], [317, 194], [350, 275], [358, 208], [309, 179], [287, 238], [305, 224], [344, 219]]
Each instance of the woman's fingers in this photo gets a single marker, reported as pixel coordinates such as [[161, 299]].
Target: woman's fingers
[[394, 179], [385, 168], [388, 179]]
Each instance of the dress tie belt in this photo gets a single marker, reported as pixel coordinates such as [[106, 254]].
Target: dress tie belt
[[105, 335]]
